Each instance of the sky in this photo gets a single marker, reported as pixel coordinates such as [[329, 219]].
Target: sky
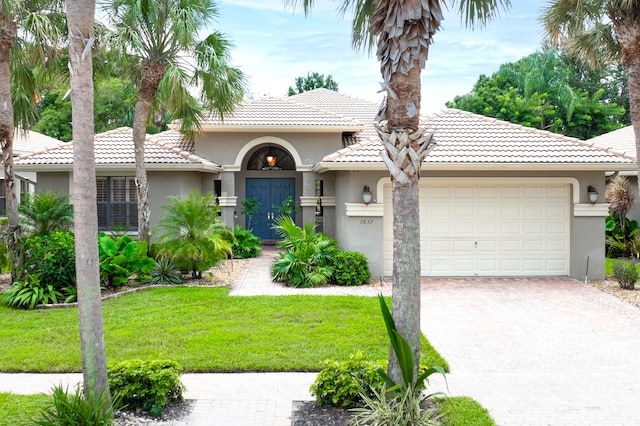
[[274, 44]]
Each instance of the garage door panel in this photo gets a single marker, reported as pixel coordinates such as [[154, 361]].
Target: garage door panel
[[500, 229]]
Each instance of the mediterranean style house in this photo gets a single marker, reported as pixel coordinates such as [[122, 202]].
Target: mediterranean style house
[[497, 199]]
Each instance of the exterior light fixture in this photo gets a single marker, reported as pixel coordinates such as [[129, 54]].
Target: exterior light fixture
[[271, 159], [366, 195], [593, 194]]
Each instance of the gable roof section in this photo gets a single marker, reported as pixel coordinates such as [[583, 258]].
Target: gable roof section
[[470, 141], [283, 115], [114, 149], [32, 142], [622, 141]]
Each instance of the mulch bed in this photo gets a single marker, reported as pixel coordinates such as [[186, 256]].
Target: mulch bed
[[308, 413]]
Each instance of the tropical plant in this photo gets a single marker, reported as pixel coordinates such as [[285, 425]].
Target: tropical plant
[[621, 237], [350, 268], [403, 32], [313, 81], [64, 409], [191, 234], [250, 207], [30, 292], [287, 207], [53, 257], [246, 244], [164, 272], [308, 259], [620, 196], [43, 213], [80, 26], [160, 39], [121, 258], [146, 385], [626, 273], [601, 32]]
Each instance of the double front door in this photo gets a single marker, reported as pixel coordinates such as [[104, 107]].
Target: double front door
[[269, 193]]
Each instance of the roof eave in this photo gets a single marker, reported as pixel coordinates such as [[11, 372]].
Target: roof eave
[[154, 167], [282, 129]]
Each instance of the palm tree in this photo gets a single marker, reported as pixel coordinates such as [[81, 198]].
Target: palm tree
[[26, 28], [601, 31], [160, 34], [80, 22], [403, 30], [43, 213]]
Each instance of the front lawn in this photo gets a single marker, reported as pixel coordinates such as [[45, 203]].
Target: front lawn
[[608, 265], [18, 409], [205, 330]]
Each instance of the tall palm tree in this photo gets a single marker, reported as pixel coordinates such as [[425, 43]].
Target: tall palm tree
[[403, 30], [26, 28], [601, 30], [80, 22], [162, 35]]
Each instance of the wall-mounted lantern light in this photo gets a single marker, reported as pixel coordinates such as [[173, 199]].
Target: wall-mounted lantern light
[[271, 159], [593, 194], [366, 195]]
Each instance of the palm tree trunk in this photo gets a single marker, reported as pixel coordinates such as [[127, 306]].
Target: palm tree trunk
[[14, 240], [80, 19], [152, 73]]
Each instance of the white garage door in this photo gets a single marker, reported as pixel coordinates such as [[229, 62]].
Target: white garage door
[[493, 229]]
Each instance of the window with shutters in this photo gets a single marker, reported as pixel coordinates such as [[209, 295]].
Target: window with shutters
[[117, 203], [3, 200]]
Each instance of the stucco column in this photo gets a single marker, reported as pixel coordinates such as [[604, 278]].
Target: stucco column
[[308, 199], [328, 203], [228, 200]]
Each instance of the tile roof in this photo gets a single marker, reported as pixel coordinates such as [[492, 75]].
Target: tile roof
[[25, 143], [115, 148], [281, 113], [464, 138], [622, 141]]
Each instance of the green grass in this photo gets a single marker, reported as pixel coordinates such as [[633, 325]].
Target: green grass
[[18, 409], [464, 411], [205, 330], [608, 265]]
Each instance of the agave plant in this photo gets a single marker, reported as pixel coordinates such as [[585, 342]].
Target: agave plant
[[165, 273]]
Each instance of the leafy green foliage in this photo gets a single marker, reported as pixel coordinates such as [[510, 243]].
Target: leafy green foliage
[[29, 293], [164, 272], [341, 383], [246, 244], [44, 213], [190, 233], [313, 81], [75, 410], [308, 259], [19, 409], [146, 385], [553, 91], [53, 257], [121, 258], [5, 261], [621, 236], [287, 207], [250, 207], [350, 268], [626, 274]]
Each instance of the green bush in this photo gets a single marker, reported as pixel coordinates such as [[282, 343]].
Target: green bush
[[626, 274], [340, 383], [29, 293], [121, 258], [246, 244], [165, 273], [146, 385], [350, 268], [52, 256], [44, 213], [74, 410]]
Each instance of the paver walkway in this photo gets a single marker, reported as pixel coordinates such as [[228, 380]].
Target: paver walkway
[[535, 352]]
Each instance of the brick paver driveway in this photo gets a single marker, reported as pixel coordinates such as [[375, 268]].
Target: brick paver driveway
[[537, 351]]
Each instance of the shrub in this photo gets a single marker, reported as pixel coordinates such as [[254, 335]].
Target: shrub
[[146, 385], [52, 256], [350, 268], [74, 410], [44, 213], [246, 244], [31, 292], [626, 274], [121, 258], [340, 383], [165, 272]]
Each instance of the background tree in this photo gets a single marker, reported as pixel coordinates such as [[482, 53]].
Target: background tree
[[312, 81], [601, 29], [80, 21], [160, 35], [553, 91], [29, 32], [403, 32]]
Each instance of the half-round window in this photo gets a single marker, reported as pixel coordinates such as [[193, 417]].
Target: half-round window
[[271, 158]]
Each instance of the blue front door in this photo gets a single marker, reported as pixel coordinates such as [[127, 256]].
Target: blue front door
[[268, 192]]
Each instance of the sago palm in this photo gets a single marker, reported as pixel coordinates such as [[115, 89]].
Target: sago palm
[[160, 38], [402, 31], [601, 31], [43, 213]]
